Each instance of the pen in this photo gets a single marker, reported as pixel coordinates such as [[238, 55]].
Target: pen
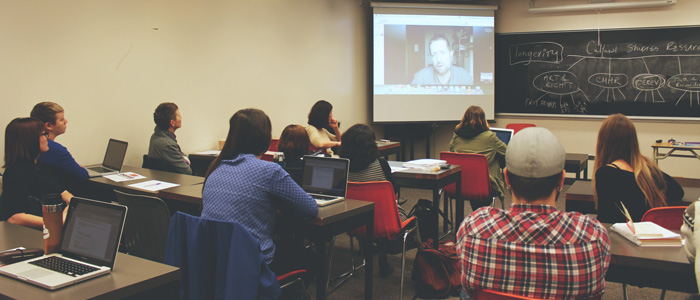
[[152, 184]]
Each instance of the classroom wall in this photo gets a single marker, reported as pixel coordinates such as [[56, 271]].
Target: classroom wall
[[109, 63], [578, 135]]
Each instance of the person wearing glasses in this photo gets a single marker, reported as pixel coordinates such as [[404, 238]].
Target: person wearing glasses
[[24, 183], [442, 72]]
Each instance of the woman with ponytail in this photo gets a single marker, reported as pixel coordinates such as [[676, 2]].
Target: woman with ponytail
[[624, 175]]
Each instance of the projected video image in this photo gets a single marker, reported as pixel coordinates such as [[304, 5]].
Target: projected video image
[[427, 54]]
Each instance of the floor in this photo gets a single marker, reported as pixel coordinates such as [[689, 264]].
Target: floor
[[388, 288]]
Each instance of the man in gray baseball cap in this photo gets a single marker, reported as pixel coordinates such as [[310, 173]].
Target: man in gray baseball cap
[[532, 249]]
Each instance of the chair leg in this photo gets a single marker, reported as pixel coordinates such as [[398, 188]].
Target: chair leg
[[624, 291], [403, 261], [663, 294], [342, 278], [447, 217]]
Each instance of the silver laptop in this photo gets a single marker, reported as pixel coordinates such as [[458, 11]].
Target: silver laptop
[[112, 163], [88, 247], [325, 178], [503, 134]]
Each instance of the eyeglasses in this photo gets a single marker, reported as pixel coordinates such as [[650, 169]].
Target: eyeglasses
[[45, 134]]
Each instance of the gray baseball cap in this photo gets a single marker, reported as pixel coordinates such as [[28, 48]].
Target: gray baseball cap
[[535, 152]]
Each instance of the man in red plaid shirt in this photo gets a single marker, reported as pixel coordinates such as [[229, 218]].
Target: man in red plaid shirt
[[533, 250]]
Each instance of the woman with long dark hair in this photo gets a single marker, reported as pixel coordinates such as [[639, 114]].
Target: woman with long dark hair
[[323, 127], [360, 147], [472, 135], [23, 182], [243, 188], [623, 174]]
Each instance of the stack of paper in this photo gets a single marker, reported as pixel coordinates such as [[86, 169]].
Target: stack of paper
[[648, 234], [425, 164]]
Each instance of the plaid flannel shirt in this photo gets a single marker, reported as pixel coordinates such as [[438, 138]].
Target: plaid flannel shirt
[[534, 251]]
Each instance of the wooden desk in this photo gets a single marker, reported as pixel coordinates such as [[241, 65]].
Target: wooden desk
[[656, 267], [332, 220], [389, 148], [132, 276], [579, 197], [181, 179], [433, 180], [577, 163], [103, 188], [671, 149]]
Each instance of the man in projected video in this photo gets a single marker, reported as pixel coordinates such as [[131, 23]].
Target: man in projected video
[[442, 72]]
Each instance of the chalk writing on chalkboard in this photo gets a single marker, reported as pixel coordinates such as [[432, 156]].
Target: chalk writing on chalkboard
[[651, 72]]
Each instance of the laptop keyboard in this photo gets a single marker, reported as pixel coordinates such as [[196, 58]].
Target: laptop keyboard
[[321, 197], [100, 170], [64, 266]]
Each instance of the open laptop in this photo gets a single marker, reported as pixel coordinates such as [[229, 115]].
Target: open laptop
[[325, 178], [112, 163], [89, 242], [503, 134]]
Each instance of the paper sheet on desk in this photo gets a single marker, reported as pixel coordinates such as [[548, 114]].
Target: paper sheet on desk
[[397, 169], [126, 176], [153, 185], [209, 152]]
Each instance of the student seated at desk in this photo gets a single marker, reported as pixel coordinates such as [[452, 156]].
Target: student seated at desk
[[360, 147], [321, 124], [294, 143], [163, 144], [23, 182], [472, 135], [241, 187], [532, 249], [623, 174], [57, 160]]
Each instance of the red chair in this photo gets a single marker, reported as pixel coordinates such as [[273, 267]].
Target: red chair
[[519, 126], [669, 217], [273, 145], [494, 295], [291, 278], [387, 223], [476, 183]]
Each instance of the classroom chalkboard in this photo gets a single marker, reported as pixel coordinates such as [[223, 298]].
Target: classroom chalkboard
[[638, 72]]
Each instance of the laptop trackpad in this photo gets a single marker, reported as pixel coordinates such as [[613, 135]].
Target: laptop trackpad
[[36, 273]]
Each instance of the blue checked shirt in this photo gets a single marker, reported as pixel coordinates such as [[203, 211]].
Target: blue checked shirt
[[250, 191]]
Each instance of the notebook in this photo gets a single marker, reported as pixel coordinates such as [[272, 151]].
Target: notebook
[[112, 163], [503, 134], [325, 178], [90, 240]]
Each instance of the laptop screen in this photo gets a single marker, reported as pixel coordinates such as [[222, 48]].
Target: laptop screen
[[92, 231], [325, 175], [503, 134], [114, 156]]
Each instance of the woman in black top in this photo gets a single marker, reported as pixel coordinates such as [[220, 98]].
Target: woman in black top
[[624, 175], [23, 183]]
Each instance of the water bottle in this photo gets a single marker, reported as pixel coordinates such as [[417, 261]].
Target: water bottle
[[52, 211]]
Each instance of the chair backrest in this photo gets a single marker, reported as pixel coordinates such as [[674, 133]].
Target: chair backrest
[[519, 126], [218, 260], [146, 227], [156, 164], [387, 223], [273, 145], [476, 183], [669, 217]]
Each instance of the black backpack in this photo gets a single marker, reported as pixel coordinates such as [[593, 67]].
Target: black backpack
[[426, 217]]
